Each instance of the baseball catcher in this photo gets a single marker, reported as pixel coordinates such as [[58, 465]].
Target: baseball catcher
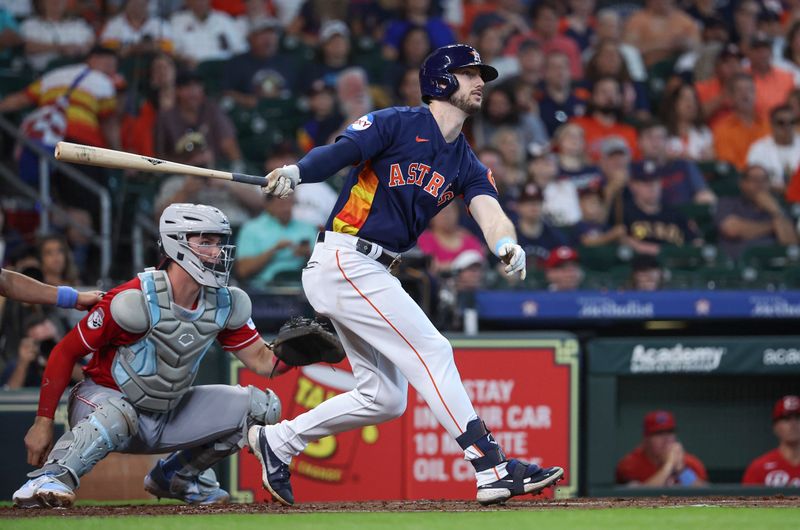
[[147, 338]]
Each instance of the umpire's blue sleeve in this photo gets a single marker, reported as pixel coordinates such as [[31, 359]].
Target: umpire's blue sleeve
[[325, 160]]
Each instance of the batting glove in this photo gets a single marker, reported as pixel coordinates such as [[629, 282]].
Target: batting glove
[[513, 256], [282, 181]]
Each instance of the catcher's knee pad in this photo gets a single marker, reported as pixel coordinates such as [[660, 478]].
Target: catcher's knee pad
[[108, 428]]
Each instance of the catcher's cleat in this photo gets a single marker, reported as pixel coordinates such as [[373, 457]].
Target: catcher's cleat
[[44, 491], [203, 489], [521, 478], [275, 474]]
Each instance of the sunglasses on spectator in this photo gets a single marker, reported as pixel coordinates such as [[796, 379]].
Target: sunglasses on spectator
[[785, 123]]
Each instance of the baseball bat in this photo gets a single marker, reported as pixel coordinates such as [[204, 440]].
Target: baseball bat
[[98, 156]]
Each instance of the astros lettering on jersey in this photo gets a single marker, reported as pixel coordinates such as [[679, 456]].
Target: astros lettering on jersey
[[407, 173]]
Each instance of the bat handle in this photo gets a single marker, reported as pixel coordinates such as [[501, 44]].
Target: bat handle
[[249, 179]]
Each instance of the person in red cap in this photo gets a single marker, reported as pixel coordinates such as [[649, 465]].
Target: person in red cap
[[562, 269], [660, 459], [780, 467]]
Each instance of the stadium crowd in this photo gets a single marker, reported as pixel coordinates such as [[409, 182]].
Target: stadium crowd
[[636, 145]]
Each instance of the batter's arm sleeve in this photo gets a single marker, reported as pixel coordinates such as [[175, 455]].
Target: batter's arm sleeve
[[323, 161]]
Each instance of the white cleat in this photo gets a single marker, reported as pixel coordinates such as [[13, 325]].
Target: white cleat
[[44, 492]]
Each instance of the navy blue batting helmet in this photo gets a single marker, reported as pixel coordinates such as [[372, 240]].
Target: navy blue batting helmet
[[436, 79]]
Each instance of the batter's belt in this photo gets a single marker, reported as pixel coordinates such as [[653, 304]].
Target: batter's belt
[[371, 250]]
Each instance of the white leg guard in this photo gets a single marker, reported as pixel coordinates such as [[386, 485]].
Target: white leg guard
[[108, 428]]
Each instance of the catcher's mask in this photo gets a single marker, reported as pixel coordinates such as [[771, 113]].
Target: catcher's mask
[[197, 237]]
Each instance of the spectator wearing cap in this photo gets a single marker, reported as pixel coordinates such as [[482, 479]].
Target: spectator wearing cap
[[508, 14], [661, 31], [649, 223], [416, 13], [716, 97], [603, 118], [544, 23], [754, 218], [594, 229], [333, 53], [562, 270], [536, 236], [689, 136], [559, 101], [240, 202], [51, 34], [773, 83], [205, 34], [789, 59], [681, 180], [780, 467], [609, 28], [559, 190], [325, 118], [660, 460], [133, 32], [735, 132], [445, 239], [646, 273], [260, 72], [194, 112], [779, 152], [615, 167]]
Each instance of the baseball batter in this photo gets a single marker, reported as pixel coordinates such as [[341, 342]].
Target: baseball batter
[[409, 164], [147, 338]]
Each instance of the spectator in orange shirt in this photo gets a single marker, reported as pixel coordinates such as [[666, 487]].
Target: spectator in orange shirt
[[714, 99], [660, 460], [661, 31], [603, 118], [773, 84], [736, 131]]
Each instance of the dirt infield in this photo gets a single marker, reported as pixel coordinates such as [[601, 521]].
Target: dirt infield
[[407, 506]]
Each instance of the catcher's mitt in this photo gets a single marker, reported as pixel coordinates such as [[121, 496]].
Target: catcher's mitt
[[302, 341]]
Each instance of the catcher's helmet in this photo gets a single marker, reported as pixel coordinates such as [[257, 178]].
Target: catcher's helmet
[[181, 220], [435, 76]]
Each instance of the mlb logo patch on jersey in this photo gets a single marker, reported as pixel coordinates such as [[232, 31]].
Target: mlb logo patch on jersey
[[95, 320], [364, 122]]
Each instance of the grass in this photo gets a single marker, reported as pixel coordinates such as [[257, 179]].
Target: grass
[[705, 518]]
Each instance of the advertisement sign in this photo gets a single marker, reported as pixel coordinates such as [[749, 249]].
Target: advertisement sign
[[696, 355], [526, 390]]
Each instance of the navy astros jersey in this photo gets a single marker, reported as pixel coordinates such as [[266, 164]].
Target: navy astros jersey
[[406, 175]]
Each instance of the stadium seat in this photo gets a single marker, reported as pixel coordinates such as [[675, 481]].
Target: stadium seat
[[720, 277], [771, 257], [686, 257], [601, 257], [703, 216], [722, 177]]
